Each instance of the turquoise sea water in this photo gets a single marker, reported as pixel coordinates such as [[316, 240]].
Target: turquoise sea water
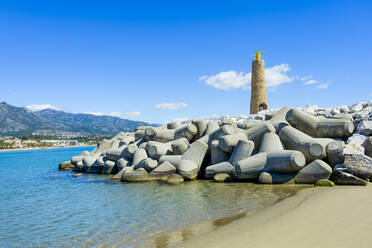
[[43, 207]]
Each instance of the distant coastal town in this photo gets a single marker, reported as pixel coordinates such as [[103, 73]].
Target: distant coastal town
[[37, 141]]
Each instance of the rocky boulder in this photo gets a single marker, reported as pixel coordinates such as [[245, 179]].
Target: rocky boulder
[[368, 147], [66, 166], [344, 178], [222, 178], [359, 165]]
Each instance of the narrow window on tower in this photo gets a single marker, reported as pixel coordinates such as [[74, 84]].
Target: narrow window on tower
[[262, 107]]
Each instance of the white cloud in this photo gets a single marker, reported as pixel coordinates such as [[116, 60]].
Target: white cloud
[[114, 114], [324, 85], [133, 114], [170, 105], [275, 76], [370, 95], [179, 120], [38, 107], [228, 80], [311, 81], [306, 77], [95, 113]]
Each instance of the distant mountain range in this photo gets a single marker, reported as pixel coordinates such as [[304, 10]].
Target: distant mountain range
[[17, 121]]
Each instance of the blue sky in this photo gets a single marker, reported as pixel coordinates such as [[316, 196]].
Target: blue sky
[[164, 60]]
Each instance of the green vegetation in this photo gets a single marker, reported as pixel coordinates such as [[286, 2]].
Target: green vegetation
[[324, 183]]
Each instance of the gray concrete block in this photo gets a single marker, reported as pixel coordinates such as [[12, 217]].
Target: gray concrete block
[[223, 167], [313, 172], [148, 164], [251, 167], [122, 163], [175, 160], [129, 151], [200, 126], [271, 143], [227, 143], [139, 155], [186, 131], [157, 149], [108, 168], [320, 127], [179, 146], [296, 140], [243, 150], [196, 152], [256, 133], [172, 125], [284, 162], [164, 169], [217, 155], [335, 153]]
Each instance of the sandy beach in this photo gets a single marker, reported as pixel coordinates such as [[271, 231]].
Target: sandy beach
[[315, 217]]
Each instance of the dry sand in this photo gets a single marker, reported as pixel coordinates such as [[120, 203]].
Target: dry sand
[[316, 217]]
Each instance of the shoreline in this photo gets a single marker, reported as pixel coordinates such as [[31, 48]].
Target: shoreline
[[183, 233], [314, 217], [39, 148]]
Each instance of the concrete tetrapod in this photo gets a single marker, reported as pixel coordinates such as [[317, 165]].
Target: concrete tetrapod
[[217, 155], [251, 167], [126, 140], [279, 118], [191, 160], [172, 125], [200, 126], [108, 168], [139, 155], [296, 140], [163, 135], [129, 151], [179, 146], [122, 163], [320, 127], [313, 172], [139, 175], [271, 143], [164, 169], [175, 160], [247, 125], [227, 143], [335, 153], [115, 153], [256, 133], [285, 162], [119, 175], [186, 131], [148, 164], [156, 149], [242, 150]]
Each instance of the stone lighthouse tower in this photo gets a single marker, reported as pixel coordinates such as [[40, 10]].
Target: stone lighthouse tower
[[258, 85]]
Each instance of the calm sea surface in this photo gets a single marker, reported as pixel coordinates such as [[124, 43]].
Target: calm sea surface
[[43, 207]]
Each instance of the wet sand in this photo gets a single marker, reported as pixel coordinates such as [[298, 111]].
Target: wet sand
[[174, 237], [315, 217]]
